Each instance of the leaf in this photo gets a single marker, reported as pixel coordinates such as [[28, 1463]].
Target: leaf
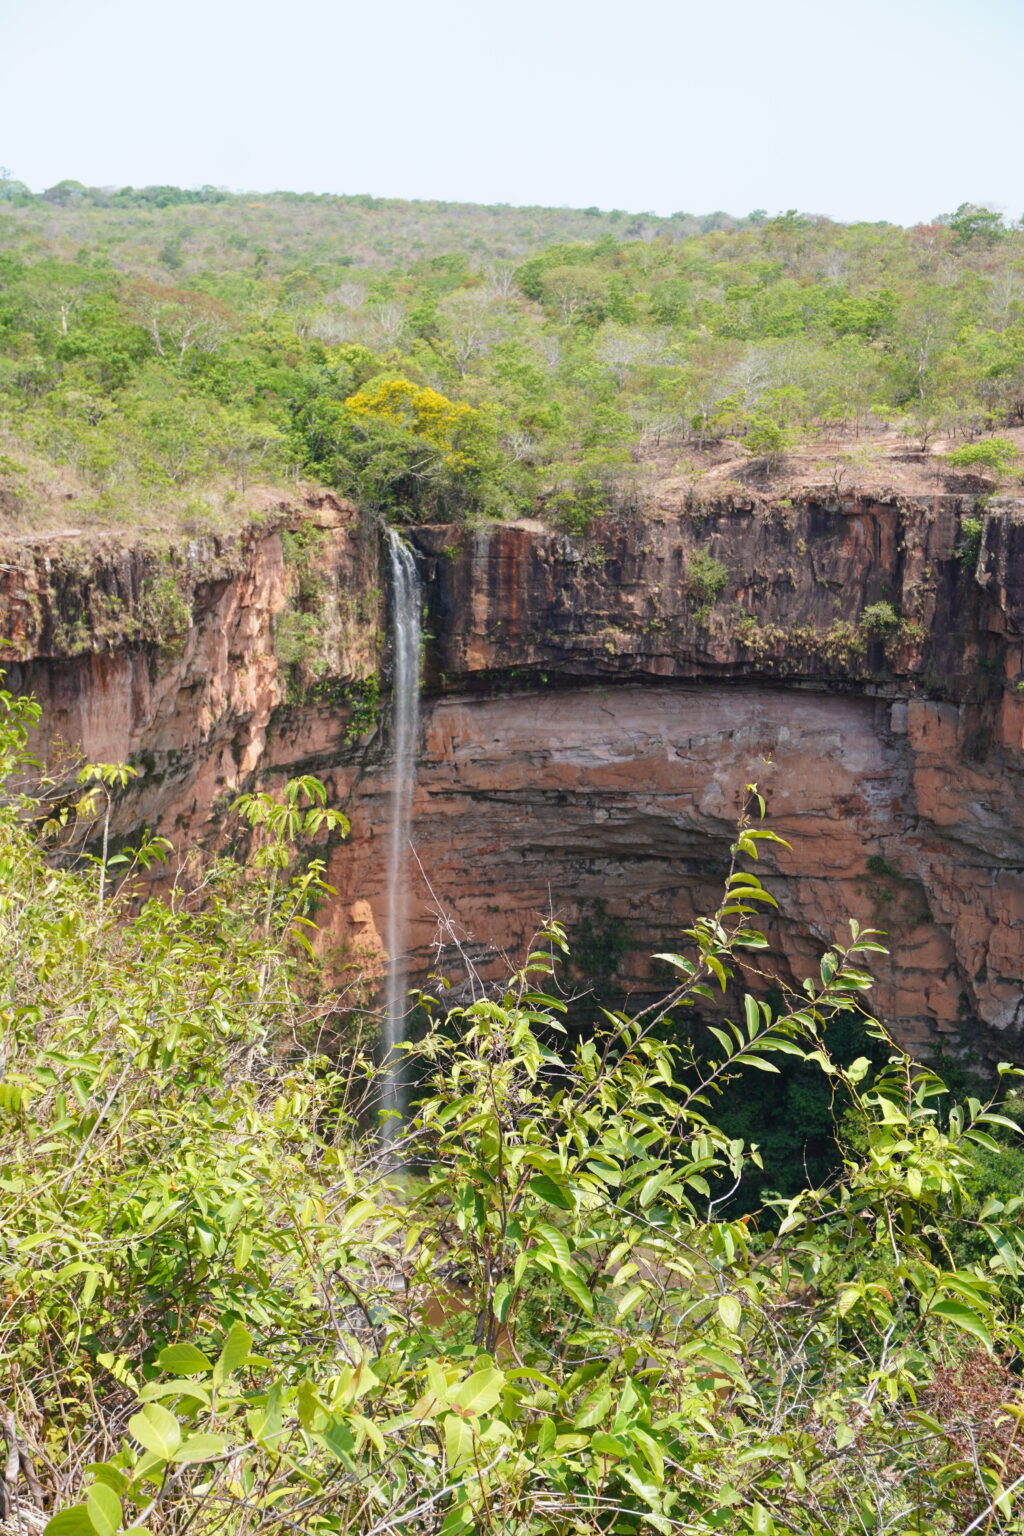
[[730, 1312], [604, 1444], [104, 1510], [572, 1283], [70, 1522], [157, 1430], [965, 1318], [554, 1194], [185, 1387], [594, 1409], [458, 1441], [654, 1185], [201, 1448], [678, 961], [502, 1300], [479, 1392], [183, 1360], [629, 1300], [546, 1432], [236, 1347], [555, 1242]]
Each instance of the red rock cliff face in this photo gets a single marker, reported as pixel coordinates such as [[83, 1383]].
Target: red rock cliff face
[[593, 709]]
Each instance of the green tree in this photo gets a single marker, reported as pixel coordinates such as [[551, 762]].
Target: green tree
[[973, 221]]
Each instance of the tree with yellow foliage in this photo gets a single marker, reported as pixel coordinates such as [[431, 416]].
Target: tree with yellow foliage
[[413, 453]]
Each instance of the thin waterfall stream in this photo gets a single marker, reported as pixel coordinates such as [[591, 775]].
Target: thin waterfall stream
[[406, 601]]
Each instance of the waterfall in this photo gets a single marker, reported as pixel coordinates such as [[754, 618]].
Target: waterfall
[[405, 703]]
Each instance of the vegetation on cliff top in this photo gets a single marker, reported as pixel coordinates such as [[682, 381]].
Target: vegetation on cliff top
[[163, 350], [223, 1311]]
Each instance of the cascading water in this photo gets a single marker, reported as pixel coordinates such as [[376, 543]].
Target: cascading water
[[405, 707]]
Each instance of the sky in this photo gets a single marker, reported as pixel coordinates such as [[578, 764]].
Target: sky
[[878, 109]]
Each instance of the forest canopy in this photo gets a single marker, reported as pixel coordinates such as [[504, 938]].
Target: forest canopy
[[161, 350]]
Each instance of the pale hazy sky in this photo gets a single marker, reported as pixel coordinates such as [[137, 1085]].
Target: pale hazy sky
[[865, 109]]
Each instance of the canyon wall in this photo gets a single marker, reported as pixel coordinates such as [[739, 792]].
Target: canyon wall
[[593, 708]]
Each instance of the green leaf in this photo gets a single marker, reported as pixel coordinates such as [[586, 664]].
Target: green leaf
[[458, 1441], [503, 1293], [555, 1242], [237, 1345], [571, 1282], [594, 1409], [201, 1448], [183, 1360], [546, 1432], [157, 1430], [104, 1510], [479, 1392], [965, 1318], [604, 1444], [654, 1185], [678, 961], [629, 1300], [730, 1312], [70, 1522], [553, 1194]]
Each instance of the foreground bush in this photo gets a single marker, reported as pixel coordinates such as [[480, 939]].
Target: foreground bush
[[225, 1311]]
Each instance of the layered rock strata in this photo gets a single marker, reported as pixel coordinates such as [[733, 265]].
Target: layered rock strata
[[593, 709]]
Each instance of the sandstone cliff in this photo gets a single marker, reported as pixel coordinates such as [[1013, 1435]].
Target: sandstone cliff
[[594, 707]]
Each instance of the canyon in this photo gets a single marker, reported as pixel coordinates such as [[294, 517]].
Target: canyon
[[593, 706]]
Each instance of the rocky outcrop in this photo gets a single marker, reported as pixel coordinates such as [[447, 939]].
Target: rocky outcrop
[[594, 707]]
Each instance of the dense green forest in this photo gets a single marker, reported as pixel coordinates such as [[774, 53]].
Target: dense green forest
[[227, 1307], [160, 350]]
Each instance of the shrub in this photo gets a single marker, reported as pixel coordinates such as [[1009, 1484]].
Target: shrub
[[706, 577], [994, 453], [225, 1308], [969, 551], [768, 438], [879, 620]]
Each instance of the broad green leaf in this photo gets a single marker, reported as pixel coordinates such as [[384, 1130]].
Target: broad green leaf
[[479, 1392], [730, 1312], [183, 1360], [185, 1387], [157, 1430], [546, 1189], [965, 1318], [571, 1282], [604, 1444], [680, 963], [236, 1347], [104, 1509], [70, 1522], [502, 1300], [458, 1441], [655, 1184], [629, 1300], [594, 1409], [201, 1448], [555, 1242], [546, 1432]]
